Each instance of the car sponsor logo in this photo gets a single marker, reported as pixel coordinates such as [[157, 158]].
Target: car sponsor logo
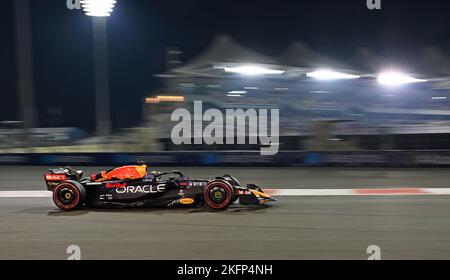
[[106, 197], [94, 184], [243, 192], [191, 184], [197, 184], [186, 201], [55, 177], [147, 189], [115, 185]]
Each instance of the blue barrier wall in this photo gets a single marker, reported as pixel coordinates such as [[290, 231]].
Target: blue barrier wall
[[241, 158]]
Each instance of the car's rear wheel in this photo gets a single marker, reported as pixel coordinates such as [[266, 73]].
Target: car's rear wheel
[[219, 194], [69, 195]]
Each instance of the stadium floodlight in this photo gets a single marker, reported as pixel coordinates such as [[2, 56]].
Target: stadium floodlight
[[397, 79], [98, 8], [253, 70], [328, 75]]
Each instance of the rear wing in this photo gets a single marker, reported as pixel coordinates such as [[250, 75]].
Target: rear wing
[[54, 176]]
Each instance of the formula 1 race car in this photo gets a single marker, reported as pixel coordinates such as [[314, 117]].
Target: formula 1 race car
[[134, 186]]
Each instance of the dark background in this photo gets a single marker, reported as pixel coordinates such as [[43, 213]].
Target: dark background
[[139, 31]]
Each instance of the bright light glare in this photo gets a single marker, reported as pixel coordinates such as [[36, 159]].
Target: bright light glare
[[237, 92], [98, 8], [234, 95], [397, 78], [327, 75], [164, 98], [252, 70]]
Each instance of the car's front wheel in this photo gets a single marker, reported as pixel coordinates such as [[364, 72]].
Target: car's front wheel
[[219, 194], [69, 195]]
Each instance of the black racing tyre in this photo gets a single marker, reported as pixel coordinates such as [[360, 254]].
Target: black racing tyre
[[69, 195], [219, 194]]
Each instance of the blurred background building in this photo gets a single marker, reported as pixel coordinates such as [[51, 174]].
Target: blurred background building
[[366, 101], [353, 111], [315, 114]]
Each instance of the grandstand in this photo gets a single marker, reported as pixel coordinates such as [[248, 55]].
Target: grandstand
[[354, 108]]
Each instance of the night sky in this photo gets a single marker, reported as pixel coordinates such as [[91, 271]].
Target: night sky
[[139, 31]]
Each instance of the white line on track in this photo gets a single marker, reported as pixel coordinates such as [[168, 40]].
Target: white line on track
[[24, 194], [359, 192], [290, 192]]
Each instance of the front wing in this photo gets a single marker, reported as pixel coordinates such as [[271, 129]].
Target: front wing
[[253, 195]]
